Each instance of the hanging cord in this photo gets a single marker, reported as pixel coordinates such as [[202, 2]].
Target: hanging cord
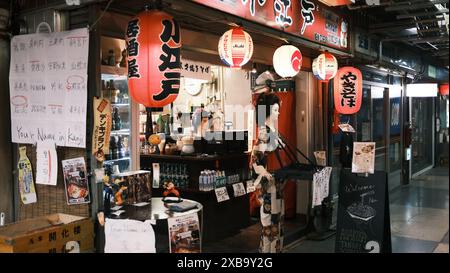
[[90, 28]]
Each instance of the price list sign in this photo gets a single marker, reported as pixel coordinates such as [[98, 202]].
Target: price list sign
[[48, 87]]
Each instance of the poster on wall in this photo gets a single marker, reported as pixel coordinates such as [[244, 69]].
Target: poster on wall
[[363, 157], [76, 182], [26, 183], [48, 87], [184, 234]]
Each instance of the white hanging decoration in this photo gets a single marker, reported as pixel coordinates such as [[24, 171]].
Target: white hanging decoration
[[235, 47], [325, 66], [287, 61]]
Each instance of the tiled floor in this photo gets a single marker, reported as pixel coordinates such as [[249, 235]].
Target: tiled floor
[[419, 218]]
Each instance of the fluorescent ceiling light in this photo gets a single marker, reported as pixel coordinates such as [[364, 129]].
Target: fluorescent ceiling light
[[421, 90]]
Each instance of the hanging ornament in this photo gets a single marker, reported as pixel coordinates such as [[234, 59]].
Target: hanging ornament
[[325, 66], [153, 46], [287, 61], [235, 47], [348, 90]]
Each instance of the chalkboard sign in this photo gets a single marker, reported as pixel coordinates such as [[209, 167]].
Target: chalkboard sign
[[363, 223]]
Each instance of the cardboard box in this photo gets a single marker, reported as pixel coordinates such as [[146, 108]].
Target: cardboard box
[[48, 234]]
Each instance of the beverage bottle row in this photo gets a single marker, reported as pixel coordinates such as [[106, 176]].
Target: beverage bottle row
[[209, 180]]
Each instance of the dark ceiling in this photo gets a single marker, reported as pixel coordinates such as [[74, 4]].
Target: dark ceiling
[[419, 23]]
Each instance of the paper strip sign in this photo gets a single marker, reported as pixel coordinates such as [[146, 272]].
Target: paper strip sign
[[239, 189], [250, 186], [222, 194], [47, 164]]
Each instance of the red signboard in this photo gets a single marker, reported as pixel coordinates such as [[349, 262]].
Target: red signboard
[[348, 90], [309, 19]]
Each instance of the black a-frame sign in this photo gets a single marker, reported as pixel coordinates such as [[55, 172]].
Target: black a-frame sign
[[363, 221]]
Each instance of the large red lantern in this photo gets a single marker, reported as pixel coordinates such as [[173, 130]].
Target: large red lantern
[[153, 45], [348, 90], [235, 47], [325, 66], [443, 89]]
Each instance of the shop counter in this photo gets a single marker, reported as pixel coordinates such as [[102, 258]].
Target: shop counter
[[220, 219]]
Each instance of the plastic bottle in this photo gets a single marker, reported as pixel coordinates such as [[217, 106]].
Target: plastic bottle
[[200, 181]]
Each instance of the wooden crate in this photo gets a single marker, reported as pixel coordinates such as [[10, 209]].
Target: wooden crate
[[47, 234]]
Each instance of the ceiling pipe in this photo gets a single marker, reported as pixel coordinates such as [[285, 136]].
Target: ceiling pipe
[[430, 13], [415, 6]]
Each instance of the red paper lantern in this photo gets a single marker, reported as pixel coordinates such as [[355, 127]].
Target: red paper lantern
[[153, 45], [348, 90], [443, 89]]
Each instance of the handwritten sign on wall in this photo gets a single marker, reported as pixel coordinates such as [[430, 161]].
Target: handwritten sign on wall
[[48, 87]]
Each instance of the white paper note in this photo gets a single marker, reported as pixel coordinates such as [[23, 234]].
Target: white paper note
[[46, 164], [239, 189], [155, 175], [250, 186], [48, 87], [222, 194], [321, 185], [129, 236]]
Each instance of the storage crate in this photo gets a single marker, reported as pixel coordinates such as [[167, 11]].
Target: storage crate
[[47, 234]]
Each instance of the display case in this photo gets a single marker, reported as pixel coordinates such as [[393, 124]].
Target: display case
[[122, 156]]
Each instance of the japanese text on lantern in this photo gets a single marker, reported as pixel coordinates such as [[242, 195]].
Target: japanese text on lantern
[[170, 58], [133, 48], [348, 91]]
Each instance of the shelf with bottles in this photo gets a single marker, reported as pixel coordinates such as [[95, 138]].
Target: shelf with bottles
[[109, 71]]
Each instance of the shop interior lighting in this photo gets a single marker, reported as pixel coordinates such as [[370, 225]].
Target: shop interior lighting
[[421, 90]]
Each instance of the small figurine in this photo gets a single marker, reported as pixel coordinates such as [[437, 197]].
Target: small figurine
[[170, 190], [119, 195]]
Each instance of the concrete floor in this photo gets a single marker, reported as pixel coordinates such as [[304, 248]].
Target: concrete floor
[[419, 218]]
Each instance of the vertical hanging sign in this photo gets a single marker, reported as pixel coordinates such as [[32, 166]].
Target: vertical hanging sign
[[102, 128]]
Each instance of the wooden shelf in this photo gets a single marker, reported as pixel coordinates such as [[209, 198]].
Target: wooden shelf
[[114, 70], [194, 157]]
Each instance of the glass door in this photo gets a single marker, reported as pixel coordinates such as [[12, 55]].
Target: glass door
[[378, 124], [422, 119]]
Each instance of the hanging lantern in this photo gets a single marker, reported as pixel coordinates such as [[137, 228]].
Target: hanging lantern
[[287, 61], [235, 47], [153, 46], [443, 89], [348, 90], [325, 66]]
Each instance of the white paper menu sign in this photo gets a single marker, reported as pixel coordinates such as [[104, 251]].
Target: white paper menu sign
[[239, 189], [48, 87], [46, 164], [250, 186], [321, 186], [222, 194], [129, 236], [363, 160]]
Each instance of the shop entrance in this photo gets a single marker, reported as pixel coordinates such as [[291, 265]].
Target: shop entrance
[[422, 156]]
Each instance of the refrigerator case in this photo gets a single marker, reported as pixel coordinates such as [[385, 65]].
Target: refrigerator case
[[123, 153]]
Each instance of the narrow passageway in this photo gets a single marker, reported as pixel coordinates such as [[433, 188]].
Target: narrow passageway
[[419, 218]]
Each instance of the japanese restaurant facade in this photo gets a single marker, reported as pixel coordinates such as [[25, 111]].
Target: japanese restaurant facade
[[208, 86]]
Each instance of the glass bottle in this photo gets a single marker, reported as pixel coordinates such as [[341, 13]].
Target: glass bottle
[[114, 92], [111, 57], [113, 147], [117, 123]]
